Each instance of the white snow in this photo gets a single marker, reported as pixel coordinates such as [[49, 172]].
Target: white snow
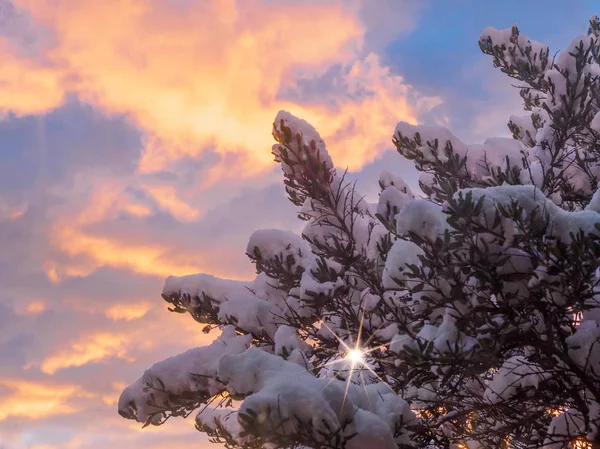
[[275, 244], [310, 286], [495, 152], [391, 201], [429, 137], [287, 337], [594, 204], [193, 371], [224, 417], [526, 128], [281, 380], [305, 141], [584, 346], [504, 38], [565, 426], [423, 218], [251, 314], [481, 159], [196, 284], [401, 254], [282, 392], [516, 372], [388, 179], [562, 223], [595, 123]]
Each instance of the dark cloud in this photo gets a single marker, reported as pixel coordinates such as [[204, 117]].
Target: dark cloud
[[52, 148]]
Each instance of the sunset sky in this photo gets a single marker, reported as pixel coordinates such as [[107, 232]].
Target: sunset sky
[[135, 144]]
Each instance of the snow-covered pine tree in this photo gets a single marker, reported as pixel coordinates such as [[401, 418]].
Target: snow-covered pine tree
[[468, 316]]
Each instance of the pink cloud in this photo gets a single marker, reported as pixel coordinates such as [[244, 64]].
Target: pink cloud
[[197, 82]]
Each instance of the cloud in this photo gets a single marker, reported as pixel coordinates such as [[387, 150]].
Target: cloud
[[96, 347], [196, 79], [367, 99], [388, 20], [166, 197], [137, 136], [162, 244], [127, 311], [37, 400], [194, 75], [33, 307], [490, 115], [89, 215], [26, 86], [68, 235]]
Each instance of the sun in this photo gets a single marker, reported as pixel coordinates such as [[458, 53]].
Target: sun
[[355, 356]]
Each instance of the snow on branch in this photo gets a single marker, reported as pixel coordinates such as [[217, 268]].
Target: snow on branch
[[283, 401], [178, 385]]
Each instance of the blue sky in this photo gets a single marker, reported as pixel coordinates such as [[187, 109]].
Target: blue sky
[[434, 55]]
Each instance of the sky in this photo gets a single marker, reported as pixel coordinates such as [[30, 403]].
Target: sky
[[135, 144]]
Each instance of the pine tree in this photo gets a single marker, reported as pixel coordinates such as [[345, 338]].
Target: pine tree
[[468, 316]]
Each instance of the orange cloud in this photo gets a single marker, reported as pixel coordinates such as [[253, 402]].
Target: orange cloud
[[97, 347], [103, 251], [70, 235], [166, 197], [36, 307], [361, 129], [127, 312], [203, 75], [52, 273], [38, 400], [10, 210], [112, 398], [146, 336], [208, 74], [32, 307], [27, 87], [137, 210]]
